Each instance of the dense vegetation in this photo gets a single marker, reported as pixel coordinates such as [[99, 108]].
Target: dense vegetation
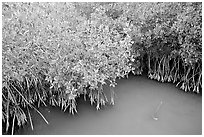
[[54, 52]]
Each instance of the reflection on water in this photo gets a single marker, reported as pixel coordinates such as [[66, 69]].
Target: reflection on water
[[138, 101]]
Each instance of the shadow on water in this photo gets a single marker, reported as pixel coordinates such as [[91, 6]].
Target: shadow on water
[[137, 103]]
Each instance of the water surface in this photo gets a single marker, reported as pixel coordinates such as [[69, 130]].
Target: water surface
[[137, 99]]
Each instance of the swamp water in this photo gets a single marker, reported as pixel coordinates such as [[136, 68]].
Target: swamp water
[[142, 106]]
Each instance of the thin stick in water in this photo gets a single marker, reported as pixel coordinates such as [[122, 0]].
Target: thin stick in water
[[155, 116], [13, 124], [31, 123]]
